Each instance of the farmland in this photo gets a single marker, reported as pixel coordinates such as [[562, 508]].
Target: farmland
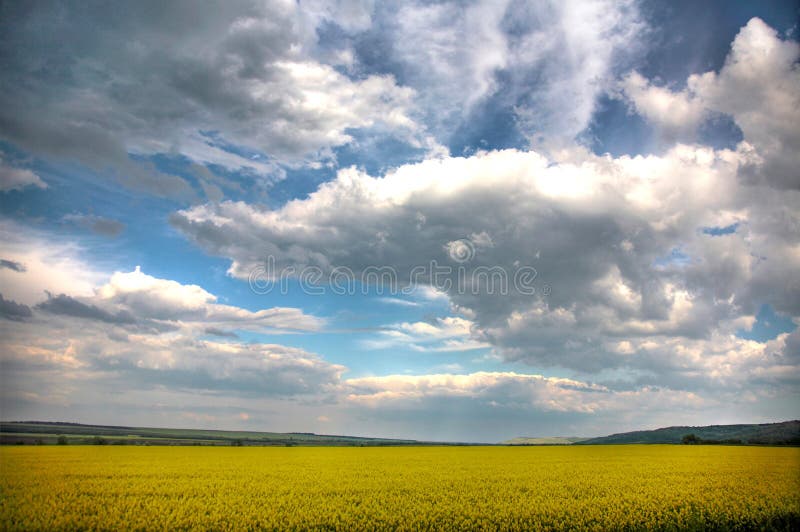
[[345, 488]]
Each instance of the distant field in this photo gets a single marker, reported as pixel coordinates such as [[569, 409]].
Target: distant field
[[346, 488], [543, 441]]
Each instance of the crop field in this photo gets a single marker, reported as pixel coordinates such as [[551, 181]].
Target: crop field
[[532, 488]]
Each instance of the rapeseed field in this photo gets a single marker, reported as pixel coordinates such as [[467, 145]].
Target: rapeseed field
[[404, 488]]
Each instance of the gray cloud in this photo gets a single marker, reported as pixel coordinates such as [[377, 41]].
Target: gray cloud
[[12, 265], [11, 310], [178, 360], [96, 83], [97, 224], [220, 332], [255, 370], [67, 306]]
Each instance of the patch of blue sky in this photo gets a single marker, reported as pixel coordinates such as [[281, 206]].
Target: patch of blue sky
[[768, 325], [721, 231], [362, 308], [373, 49], [71, 188], [492, 125], [355, 348], [719, 131], [355, 325], [689, 37], [236, 185], [213, 138], [147, 239], [618, 131], [373, 153], [376, 154], [298, 184], [676, 257]]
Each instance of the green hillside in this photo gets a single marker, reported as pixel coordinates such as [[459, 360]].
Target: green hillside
[[784, 433]]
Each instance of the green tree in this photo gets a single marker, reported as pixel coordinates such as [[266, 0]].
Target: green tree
[[690, 439], [62, 440]]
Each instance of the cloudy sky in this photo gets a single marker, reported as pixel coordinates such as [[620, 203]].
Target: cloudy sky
[[448, 221]]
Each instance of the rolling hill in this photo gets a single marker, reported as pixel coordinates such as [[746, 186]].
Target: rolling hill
[[783, 433]]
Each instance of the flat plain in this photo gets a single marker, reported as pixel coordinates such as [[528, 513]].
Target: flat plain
[[631, 487]]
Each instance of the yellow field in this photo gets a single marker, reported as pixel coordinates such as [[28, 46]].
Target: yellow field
[[595, 488]]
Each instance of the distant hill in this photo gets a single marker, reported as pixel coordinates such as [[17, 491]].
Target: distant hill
[[556, 440], [43, 432], [784, 433]]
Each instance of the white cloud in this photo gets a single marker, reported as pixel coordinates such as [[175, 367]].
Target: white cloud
[[153, 295], [450, 333], [451, 53], [678, 113], [566, 60], [509, 391], [168, 301], [48, 264], [533, 390], [759, 87], [544, 63]]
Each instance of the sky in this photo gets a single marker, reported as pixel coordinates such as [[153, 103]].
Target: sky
[[450, 221]]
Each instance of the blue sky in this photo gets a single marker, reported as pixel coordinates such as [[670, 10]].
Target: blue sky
[[637, 158]]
